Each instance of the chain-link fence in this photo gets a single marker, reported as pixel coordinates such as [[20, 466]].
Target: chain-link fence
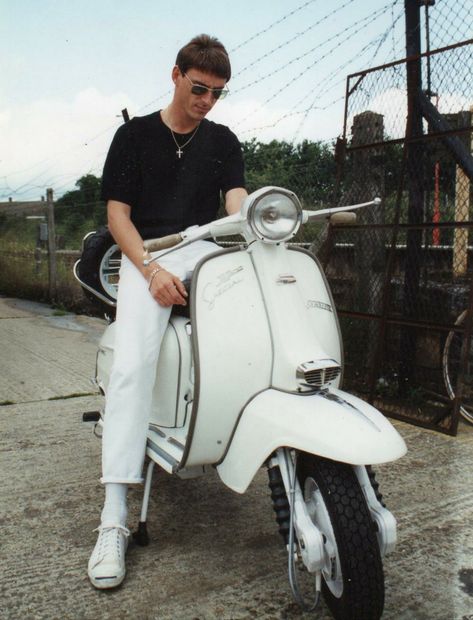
[[402, 276], [446, 22]]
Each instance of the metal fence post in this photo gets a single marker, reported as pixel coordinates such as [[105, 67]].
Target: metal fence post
[[52, 267], [462, 213]]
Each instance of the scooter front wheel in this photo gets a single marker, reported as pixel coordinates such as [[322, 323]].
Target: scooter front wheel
[[353, 580]]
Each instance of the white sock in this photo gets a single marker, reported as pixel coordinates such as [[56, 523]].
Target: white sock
[[115, 510]]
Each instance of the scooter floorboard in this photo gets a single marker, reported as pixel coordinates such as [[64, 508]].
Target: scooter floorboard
[[164, 449]]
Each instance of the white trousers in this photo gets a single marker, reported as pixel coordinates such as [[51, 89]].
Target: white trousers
[[141, 323]]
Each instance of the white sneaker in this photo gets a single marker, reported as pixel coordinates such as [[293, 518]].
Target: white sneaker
[[107, 562]]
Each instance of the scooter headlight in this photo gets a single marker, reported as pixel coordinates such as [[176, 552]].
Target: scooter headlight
[[274, 214]]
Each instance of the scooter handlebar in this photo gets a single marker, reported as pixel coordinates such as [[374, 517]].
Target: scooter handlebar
[[162, 243], [235, 224], [230, 225], [323, 214], [343, 219]]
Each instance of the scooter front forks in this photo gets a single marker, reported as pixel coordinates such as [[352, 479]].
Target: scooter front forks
[[309, 537], [280, 500], [294, 521]]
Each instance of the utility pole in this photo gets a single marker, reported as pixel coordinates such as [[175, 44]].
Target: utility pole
[[414, 173], [52, 267]]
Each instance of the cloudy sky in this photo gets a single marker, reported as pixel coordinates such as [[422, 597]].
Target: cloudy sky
[[70, 67]]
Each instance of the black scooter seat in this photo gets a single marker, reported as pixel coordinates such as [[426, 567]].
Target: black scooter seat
[[177, 309]]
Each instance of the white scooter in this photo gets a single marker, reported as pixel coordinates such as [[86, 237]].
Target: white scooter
[[252, 379]]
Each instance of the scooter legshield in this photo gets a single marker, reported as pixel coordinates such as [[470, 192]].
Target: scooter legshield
[[332, 424]]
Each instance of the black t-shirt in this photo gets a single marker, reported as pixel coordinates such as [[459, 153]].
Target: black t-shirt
[[168, 193]]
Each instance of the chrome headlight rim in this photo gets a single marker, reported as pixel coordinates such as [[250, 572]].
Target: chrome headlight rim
[[256, 202]]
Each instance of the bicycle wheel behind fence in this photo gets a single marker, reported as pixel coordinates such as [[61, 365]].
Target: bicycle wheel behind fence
[[452, 366]]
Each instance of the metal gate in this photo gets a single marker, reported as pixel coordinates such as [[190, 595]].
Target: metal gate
[[402, 277]]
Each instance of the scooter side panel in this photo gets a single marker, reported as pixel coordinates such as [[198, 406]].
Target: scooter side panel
[[334, 424], [233, 351], [172, 375]]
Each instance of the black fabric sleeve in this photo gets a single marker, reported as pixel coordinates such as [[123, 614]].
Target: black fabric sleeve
[[120, 179], [233, 174]]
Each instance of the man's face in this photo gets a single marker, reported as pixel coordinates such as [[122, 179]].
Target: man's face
[[196, 107]]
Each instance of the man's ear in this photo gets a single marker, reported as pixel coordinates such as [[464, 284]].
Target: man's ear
[[175, 73]]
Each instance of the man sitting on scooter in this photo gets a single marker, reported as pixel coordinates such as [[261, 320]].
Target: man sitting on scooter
[[164, 172]]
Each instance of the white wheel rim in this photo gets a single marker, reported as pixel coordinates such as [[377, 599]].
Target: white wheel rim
[[108, 271], [465, 410]]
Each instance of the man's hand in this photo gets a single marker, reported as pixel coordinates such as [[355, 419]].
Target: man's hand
[[167, 289]]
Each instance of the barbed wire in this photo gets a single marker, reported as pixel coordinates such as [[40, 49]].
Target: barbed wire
[[446, 20], [52, 158], [271, 26], [69, 149], [364, 22], [169, 91], [382, 38], [361, 25], [294, 38], [48, 182], [290, 114], [326, 81], [151, 103]]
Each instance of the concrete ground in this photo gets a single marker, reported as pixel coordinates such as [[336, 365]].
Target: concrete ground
[[214, 554]]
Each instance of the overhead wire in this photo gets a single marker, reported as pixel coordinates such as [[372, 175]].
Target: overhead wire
[[293, 38], [271, 26], [368, 19], [243, 43], [357, 26], [30, 183], [382, 38]]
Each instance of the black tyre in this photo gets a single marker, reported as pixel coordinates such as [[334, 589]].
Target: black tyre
[[99, 266], [353, 580]]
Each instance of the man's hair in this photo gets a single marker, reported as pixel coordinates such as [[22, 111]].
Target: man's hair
[[207, 54]]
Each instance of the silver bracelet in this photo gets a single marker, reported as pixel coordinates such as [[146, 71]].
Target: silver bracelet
[[153, 273]]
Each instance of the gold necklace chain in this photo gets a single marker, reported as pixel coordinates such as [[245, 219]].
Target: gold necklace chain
[[179, 151]]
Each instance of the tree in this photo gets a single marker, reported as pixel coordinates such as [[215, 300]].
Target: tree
[[88, 192], [307, 168], [81, 210]]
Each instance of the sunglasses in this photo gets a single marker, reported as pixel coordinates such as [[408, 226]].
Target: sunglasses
[[198, 89]]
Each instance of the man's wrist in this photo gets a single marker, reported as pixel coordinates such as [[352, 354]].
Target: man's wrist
[[153, 274]]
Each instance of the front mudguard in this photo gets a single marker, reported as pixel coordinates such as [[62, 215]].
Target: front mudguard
[[331, 424]]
